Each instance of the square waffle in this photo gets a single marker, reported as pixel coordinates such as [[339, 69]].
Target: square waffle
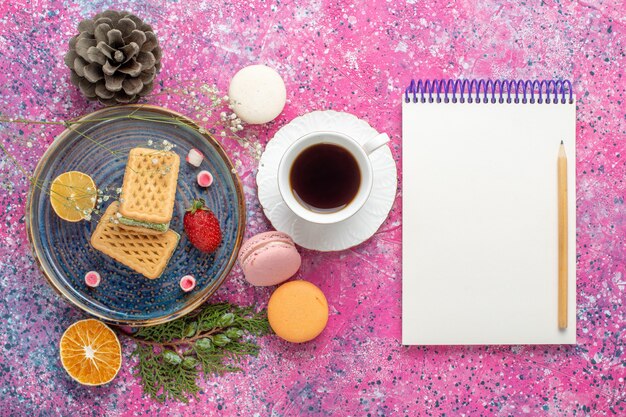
[[147, 254], [149, 188]]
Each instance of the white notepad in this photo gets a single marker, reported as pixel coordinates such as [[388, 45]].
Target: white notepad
[[480, 217]]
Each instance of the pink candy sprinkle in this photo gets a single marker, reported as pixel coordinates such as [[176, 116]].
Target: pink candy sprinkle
[[92, 279], [187, 283], [194, 157], [205, 178]]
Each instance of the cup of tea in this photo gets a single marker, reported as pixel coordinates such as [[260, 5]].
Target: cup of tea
[[325, 177]]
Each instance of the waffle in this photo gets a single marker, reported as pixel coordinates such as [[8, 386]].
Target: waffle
[[146, 254], [149, 187]]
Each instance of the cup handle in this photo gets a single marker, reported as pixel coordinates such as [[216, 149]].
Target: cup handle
[[375, 143]]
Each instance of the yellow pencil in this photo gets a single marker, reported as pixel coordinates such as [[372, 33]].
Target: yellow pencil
[[562, 213]]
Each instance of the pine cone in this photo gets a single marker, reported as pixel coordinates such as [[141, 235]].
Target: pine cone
[[114, 58]]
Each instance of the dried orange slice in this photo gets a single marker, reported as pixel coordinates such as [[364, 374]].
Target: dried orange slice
[[73, 195], [90, 352]]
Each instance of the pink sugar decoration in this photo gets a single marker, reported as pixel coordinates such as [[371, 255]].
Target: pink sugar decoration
[[92, 279], [204, 178], [187, 283], [194, 157]]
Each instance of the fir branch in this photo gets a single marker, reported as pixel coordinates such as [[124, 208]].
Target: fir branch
[[210, 340], [254, 323], [164, 381], [163, 332]]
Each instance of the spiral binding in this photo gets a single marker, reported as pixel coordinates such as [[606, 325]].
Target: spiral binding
[[505, 91]]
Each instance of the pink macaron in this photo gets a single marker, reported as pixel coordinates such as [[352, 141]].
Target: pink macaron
[[269, 258]]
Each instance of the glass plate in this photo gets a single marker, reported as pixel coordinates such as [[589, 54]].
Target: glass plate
[[100, 148]]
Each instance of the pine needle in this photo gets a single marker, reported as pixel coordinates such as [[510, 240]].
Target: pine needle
[[172, 356]]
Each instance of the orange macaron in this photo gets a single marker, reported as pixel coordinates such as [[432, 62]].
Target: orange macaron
[[298, 311]]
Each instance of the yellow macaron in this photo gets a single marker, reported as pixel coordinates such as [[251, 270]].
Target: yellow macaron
[[298, 311]]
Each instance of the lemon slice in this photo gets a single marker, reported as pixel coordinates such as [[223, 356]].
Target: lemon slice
[[90, 352], [73, 195]]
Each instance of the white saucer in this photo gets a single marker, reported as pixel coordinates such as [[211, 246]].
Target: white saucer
[[327, 237]]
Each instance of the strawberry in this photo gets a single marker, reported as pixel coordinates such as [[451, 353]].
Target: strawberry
[[202, 227]]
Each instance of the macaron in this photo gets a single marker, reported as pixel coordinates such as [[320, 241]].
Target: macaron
[[257, 94], [297, 311], [269, 258]]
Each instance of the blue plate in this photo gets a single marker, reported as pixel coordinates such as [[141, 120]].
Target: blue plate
[[98, 145]]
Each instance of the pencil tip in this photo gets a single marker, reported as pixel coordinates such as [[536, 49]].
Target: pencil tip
[[561, 142]]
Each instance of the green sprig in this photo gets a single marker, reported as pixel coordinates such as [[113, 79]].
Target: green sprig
[[211, 341]]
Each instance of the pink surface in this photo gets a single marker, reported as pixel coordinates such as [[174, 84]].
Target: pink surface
[[356, 57]]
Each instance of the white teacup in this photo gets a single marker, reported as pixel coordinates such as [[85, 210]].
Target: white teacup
[[360, 152]]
